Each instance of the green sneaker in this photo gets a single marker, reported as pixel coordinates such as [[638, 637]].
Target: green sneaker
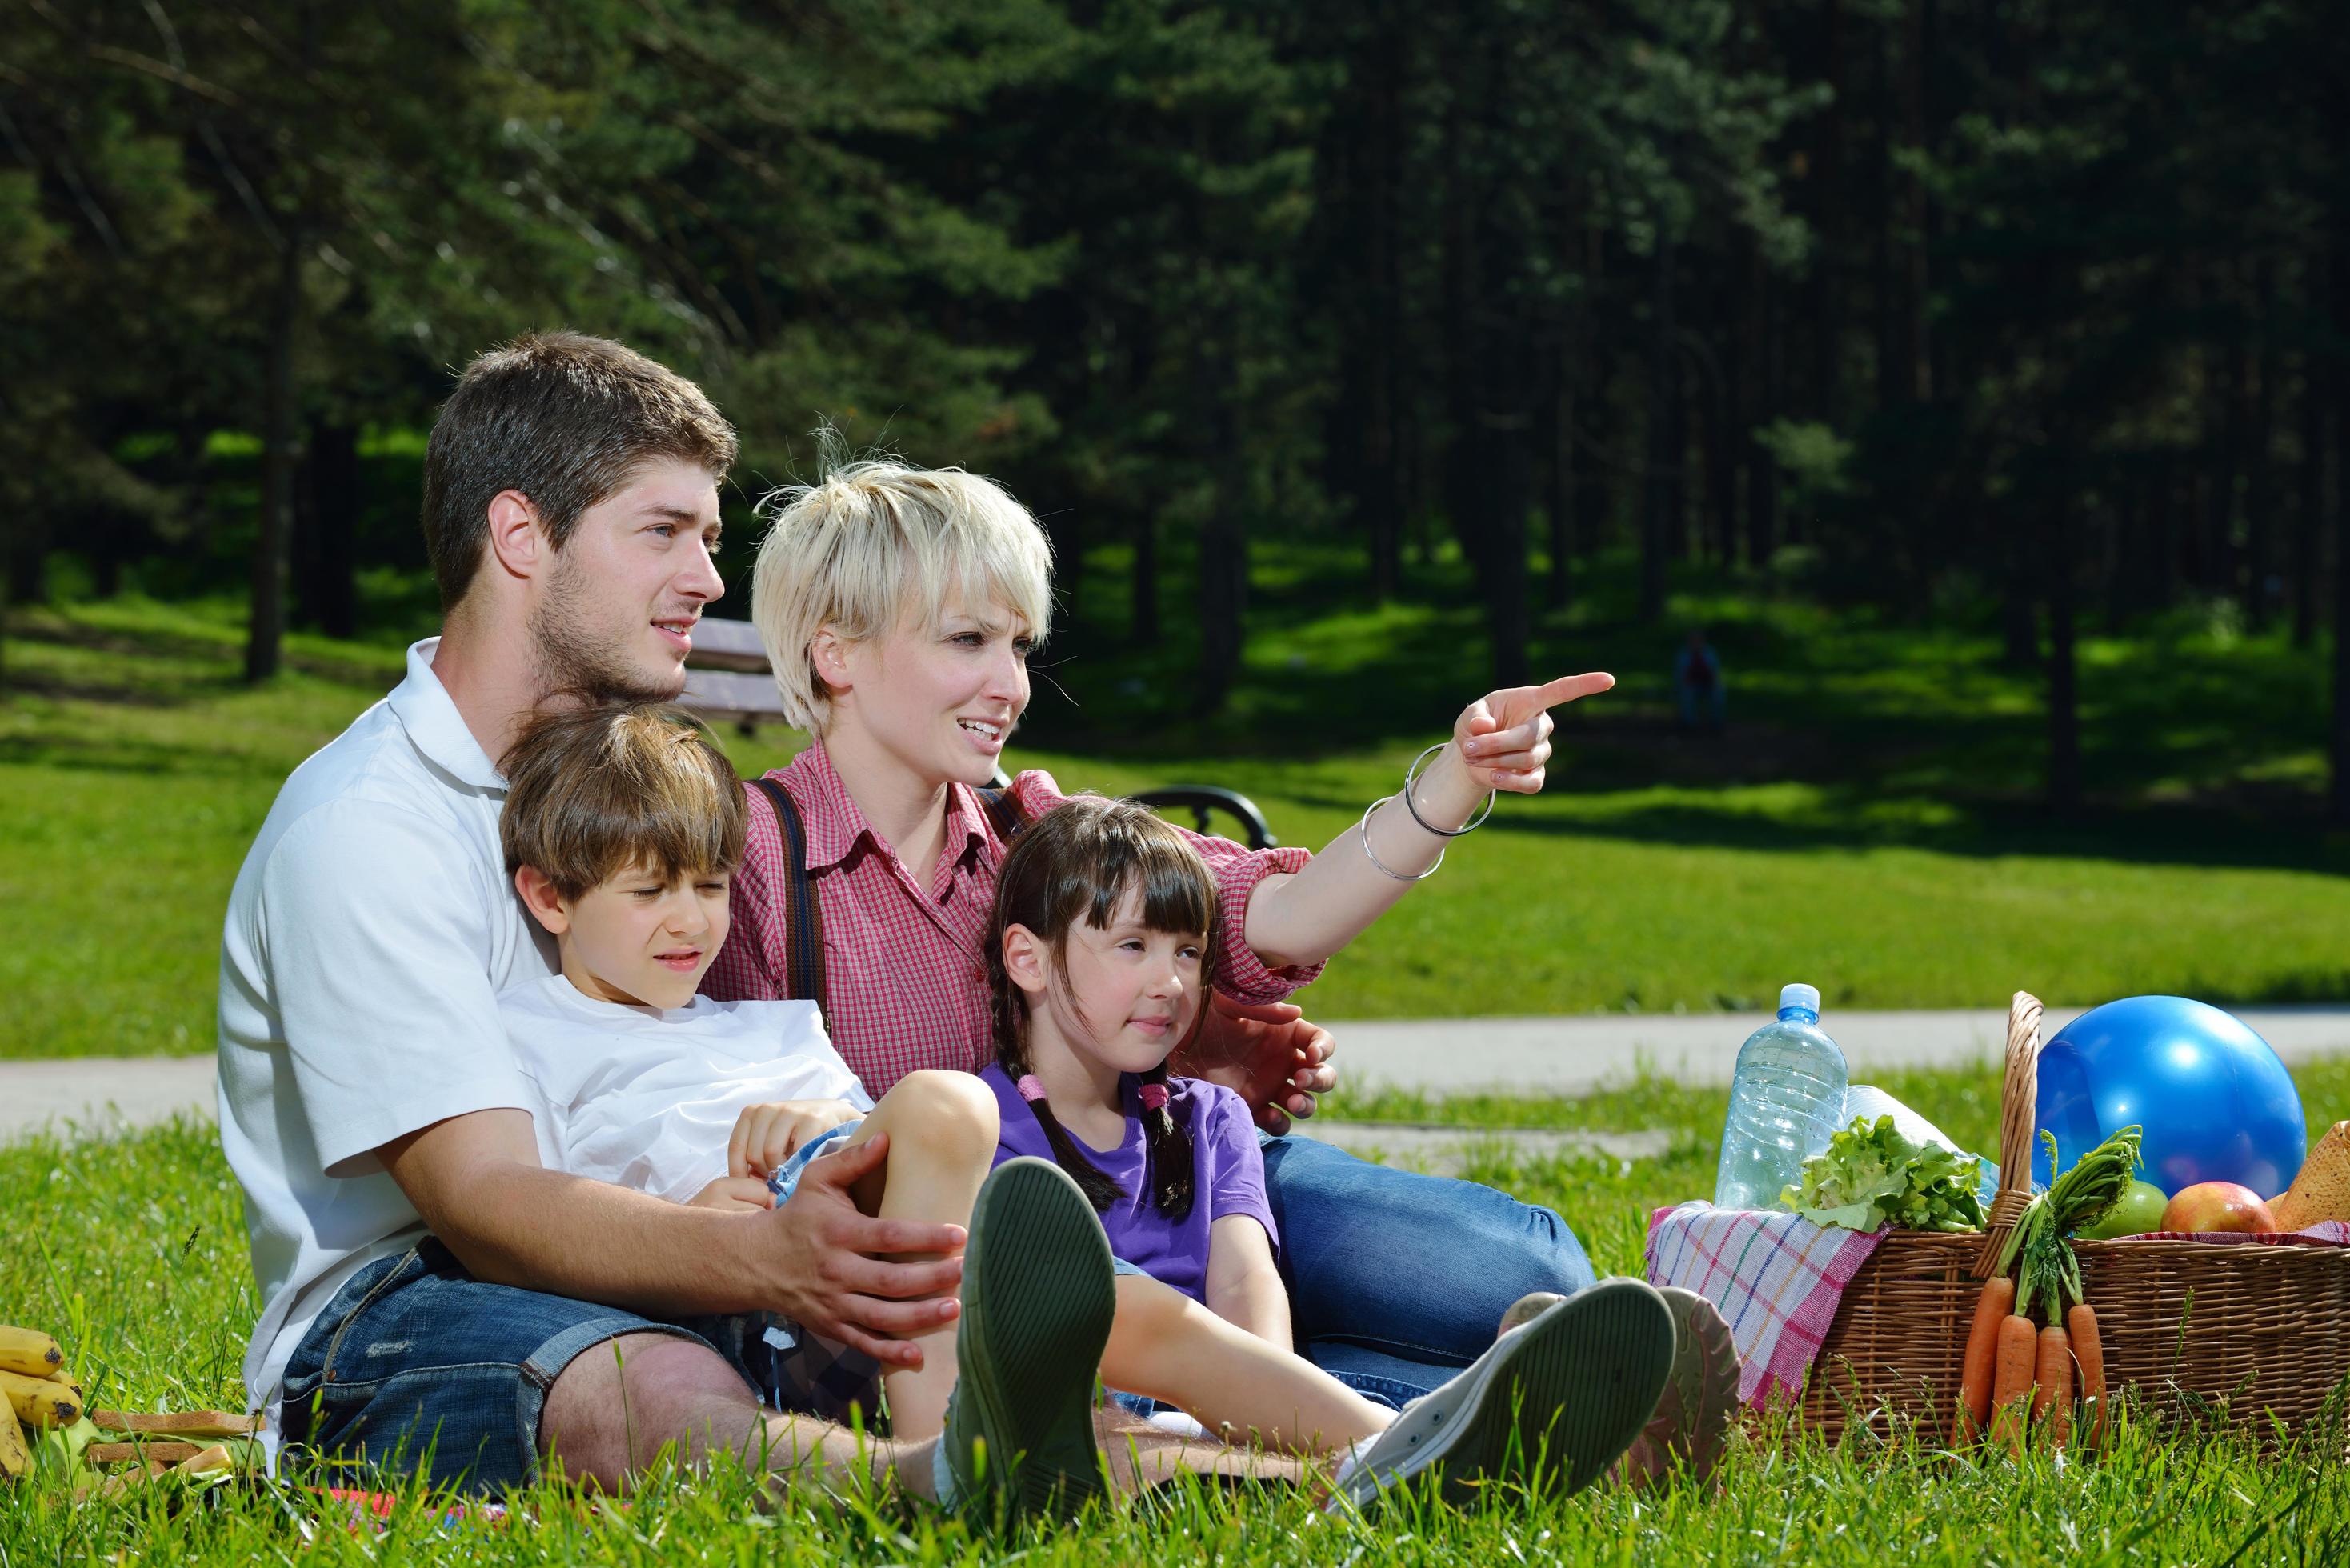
[[1038, 1299]]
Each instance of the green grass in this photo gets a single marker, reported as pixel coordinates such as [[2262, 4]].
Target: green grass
[[133, 1251], [1862, 831]]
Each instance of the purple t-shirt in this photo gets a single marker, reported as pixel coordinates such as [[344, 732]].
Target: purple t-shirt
[[1227, 1175]]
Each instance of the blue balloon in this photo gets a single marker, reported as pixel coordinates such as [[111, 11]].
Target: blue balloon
[[2215, 1102]]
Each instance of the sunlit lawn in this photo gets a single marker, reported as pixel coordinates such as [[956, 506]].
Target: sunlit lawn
[[134, 1253], [1867, 826]]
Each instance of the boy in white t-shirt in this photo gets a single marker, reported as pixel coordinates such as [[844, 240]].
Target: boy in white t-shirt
[[621, 830]]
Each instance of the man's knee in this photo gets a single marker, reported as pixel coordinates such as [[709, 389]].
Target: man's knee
[[616, 1404], [951, 1114]]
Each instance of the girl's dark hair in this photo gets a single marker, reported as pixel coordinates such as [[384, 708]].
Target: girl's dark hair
[[1078, 861]]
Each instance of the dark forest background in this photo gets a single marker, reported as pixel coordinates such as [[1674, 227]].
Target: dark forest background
[[2002, 312]]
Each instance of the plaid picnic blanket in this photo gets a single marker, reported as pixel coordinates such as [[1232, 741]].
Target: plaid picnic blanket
[[1777, 1277]]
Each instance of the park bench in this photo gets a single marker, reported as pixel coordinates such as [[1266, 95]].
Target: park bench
[[727, 680]]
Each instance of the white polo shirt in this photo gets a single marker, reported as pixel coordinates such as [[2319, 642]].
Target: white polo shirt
[[369, 936]]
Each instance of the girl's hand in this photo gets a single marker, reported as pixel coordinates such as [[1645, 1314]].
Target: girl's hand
[[766, 1135], [1503, 737]]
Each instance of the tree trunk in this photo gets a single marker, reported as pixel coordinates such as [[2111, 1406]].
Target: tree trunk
[[327, 519], [266, 633], [1917, 366], [2341, 410], [1559, 506], [2309, 516], [1144, 614], [1761, 470], [2064, 699], [28, 563], [1662, 511], [1827, 287], [2260, 467], [1224, 540]]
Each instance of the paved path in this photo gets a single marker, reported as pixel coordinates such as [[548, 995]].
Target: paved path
[[1556, 1055]]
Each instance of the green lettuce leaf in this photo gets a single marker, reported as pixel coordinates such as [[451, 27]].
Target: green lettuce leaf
[[1871, 1176]]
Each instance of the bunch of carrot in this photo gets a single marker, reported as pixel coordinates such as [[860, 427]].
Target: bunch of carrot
[[2007, 1359]]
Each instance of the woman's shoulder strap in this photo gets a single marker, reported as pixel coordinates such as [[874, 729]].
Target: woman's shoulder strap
[[1005, 813], [802, 975]]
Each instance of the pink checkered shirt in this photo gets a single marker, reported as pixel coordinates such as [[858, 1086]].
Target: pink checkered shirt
[[905, 982]]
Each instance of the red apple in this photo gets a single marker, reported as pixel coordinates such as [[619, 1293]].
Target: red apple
[[2217, 1206]]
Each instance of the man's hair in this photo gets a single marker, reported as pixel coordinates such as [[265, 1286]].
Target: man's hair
[[564, 419], [592, 793], [875, 544]]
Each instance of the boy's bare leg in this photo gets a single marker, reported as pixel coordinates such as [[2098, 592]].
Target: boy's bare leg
[[1164, 1344], [609, 1415], [942, 1132]]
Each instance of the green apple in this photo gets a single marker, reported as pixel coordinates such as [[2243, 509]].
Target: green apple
[[2138, 1211]]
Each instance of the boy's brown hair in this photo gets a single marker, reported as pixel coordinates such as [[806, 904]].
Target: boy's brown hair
[[564, 419], [592, 793]]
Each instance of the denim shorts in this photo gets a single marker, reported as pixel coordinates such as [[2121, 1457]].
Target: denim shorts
[[417, 1367]]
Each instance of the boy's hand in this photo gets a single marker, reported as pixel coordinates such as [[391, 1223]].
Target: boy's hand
[[734, 1193], [766, 1135]]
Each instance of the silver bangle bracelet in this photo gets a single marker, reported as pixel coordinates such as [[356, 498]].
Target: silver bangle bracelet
[[1411, 777], [1372, 856]]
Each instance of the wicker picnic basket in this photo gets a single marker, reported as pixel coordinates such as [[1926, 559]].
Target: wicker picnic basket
[[2244, 1329]]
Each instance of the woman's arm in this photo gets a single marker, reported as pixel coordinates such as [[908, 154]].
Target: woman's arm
[[1501, 742], [1243, 1286]]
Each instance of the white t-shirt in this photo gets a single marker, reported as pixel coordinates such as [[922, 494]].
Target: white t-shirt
[[369, 936], [648, 1098]]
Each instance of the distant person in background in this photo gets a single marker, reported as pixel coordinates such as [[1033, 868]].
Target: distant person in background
[[1696, 684]]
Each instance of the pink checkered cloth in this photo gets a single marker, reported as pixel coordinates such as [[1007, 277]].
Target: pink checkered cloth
[[1777, 1277]]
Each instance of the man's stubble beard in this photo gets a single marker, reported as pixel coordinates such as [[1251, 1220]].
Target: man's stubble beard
[[570, 659]]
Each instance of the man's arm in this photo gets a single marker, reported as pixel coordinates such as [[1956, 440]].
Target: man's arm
[[477, 1182]]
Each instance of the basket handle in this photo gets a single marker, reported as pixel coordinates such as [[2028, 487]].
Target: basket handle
[[2017, 1100]]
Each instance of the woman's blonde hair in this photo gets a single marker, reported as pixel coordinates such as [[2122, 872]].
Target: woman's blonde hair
[[875, 544]]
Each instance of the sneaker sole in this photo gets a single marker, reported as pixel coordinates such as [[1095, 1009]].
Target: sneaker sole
[[1565, 1398], [1038, 1302], [1706, 1367]]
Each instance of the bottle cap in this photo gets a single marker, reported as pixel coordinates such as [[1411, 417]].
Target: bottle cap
[[1806, 997]]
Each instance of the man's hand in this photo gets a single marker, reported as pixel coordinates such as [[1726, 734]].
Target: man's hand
[[734, 1194], [845, 1275], [766, 1135], [1267, 1052]]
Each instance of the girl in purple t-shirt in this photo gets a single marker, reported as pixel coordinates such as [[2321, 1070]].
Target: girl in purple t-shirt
[[1099, 961]]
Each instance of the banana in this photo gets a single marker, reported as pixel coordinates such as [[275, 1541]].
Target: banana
[[28, 1351], [38, 1402], [16, 1459]]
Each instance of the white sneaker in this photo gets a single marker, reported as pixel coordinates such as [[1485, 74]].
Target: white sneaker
[[1553, 1403]]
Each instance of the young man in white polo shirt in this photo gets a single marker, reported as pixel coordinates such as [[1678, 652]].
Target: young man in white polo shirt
[[428, 1287]]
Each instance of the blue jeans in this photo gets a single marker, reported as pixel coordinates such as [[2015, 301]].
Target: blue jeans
[[417, 1368], [1397, 1280]]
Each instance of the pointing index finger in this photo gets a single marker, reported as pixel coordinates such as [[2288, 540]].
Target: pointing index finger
[[1567, 688]]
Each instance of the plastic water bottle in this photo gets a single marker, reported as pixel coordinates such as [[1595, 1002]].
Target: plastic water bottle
[[1786, 1101]]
